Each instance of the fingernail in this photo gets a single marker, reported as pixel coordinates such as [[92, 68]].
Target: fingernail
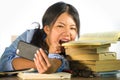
[[34, 59], [39, 48], [35, 55], [37, 51]]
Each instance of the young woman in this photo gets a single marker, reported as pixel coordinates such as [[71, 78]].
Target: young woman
[[60, 24]]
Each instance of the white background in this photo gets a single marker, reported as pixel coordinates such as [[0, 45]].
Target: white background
[[17, 15]]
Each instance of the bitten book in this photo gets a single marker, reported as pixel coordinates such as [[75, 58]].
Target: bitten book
[[91, 52], [111, 36]]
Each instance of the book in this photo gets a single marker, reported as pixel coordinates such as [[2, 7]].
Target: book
[[38, 76], [96, 65], [86, 43], [102, 60], [92, 56], [13, 72], [84, 50], [97, 62], [89, 52], [111, 36]]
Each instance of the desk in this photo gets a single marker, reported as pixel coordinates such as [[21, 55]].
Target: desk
[[79, 78]]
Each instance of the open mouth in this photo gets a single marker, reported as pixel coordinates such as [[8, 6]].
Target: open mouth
[[63, 41], [62, 47]]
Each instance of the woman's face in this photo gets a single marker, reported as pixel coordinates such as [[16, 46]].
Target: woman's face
[[63, 30]]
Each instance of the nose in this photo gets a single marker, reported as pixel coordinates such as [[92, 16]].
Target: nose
[[67, 32]]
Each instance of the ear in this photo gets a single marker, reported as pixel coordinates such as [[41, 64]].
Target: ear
[[47, 29]]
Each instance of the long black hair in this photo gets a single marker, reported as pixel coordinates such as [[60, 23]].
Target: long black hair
[[49, 18]]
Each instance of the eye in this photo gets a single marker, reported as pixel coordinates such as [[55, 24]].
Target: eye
[[73, 28], [60, 26]]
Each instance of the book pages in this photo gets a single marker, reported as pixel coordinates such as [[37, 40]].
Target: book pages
[[38, 76], [86, 43], [112, 36]]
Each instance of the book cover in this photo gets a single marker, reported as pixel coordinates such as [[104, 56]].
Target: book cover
[[80, 50]]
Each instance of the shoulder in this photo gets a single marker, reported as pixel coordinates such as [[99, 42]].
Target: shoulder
[[29, 31], [28, 34]]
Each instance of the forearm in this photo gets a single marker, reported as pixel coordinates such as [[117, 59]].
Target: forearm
[[21, 63]]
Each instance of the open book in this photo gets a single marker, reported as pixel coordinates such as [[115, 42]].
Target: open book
[[31, 74], [111, 36], [95, 39], [38, 76], [88, 43]]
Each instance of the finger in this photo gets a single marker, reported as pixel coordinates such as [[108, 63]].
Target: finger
[[45, 57], [41, 60], [38, 65]]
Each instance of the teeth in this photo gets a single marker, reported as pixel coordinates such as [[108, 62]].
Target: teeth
[[63, 41]]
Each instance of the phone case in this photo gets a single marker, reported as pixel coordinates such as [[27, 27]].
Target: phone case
[[26, 50]]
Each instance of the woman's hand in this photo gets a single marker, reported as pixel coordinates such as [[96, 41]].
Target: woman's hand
[[41, 61]]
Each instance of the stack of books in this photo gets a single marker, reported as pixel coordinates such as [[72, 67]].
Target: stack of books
[[92, 54], [91, 51]]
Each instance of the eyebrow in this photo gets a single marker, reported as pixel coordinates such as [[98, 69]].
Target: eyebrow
[[64, 24]]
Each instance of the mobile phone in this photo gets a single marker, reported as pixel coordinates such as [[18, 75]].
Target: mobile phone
[[26, 50]]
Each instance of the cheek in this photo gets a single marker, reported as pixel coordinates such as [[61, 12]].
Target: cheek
[[55, 33], [73, 36]]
